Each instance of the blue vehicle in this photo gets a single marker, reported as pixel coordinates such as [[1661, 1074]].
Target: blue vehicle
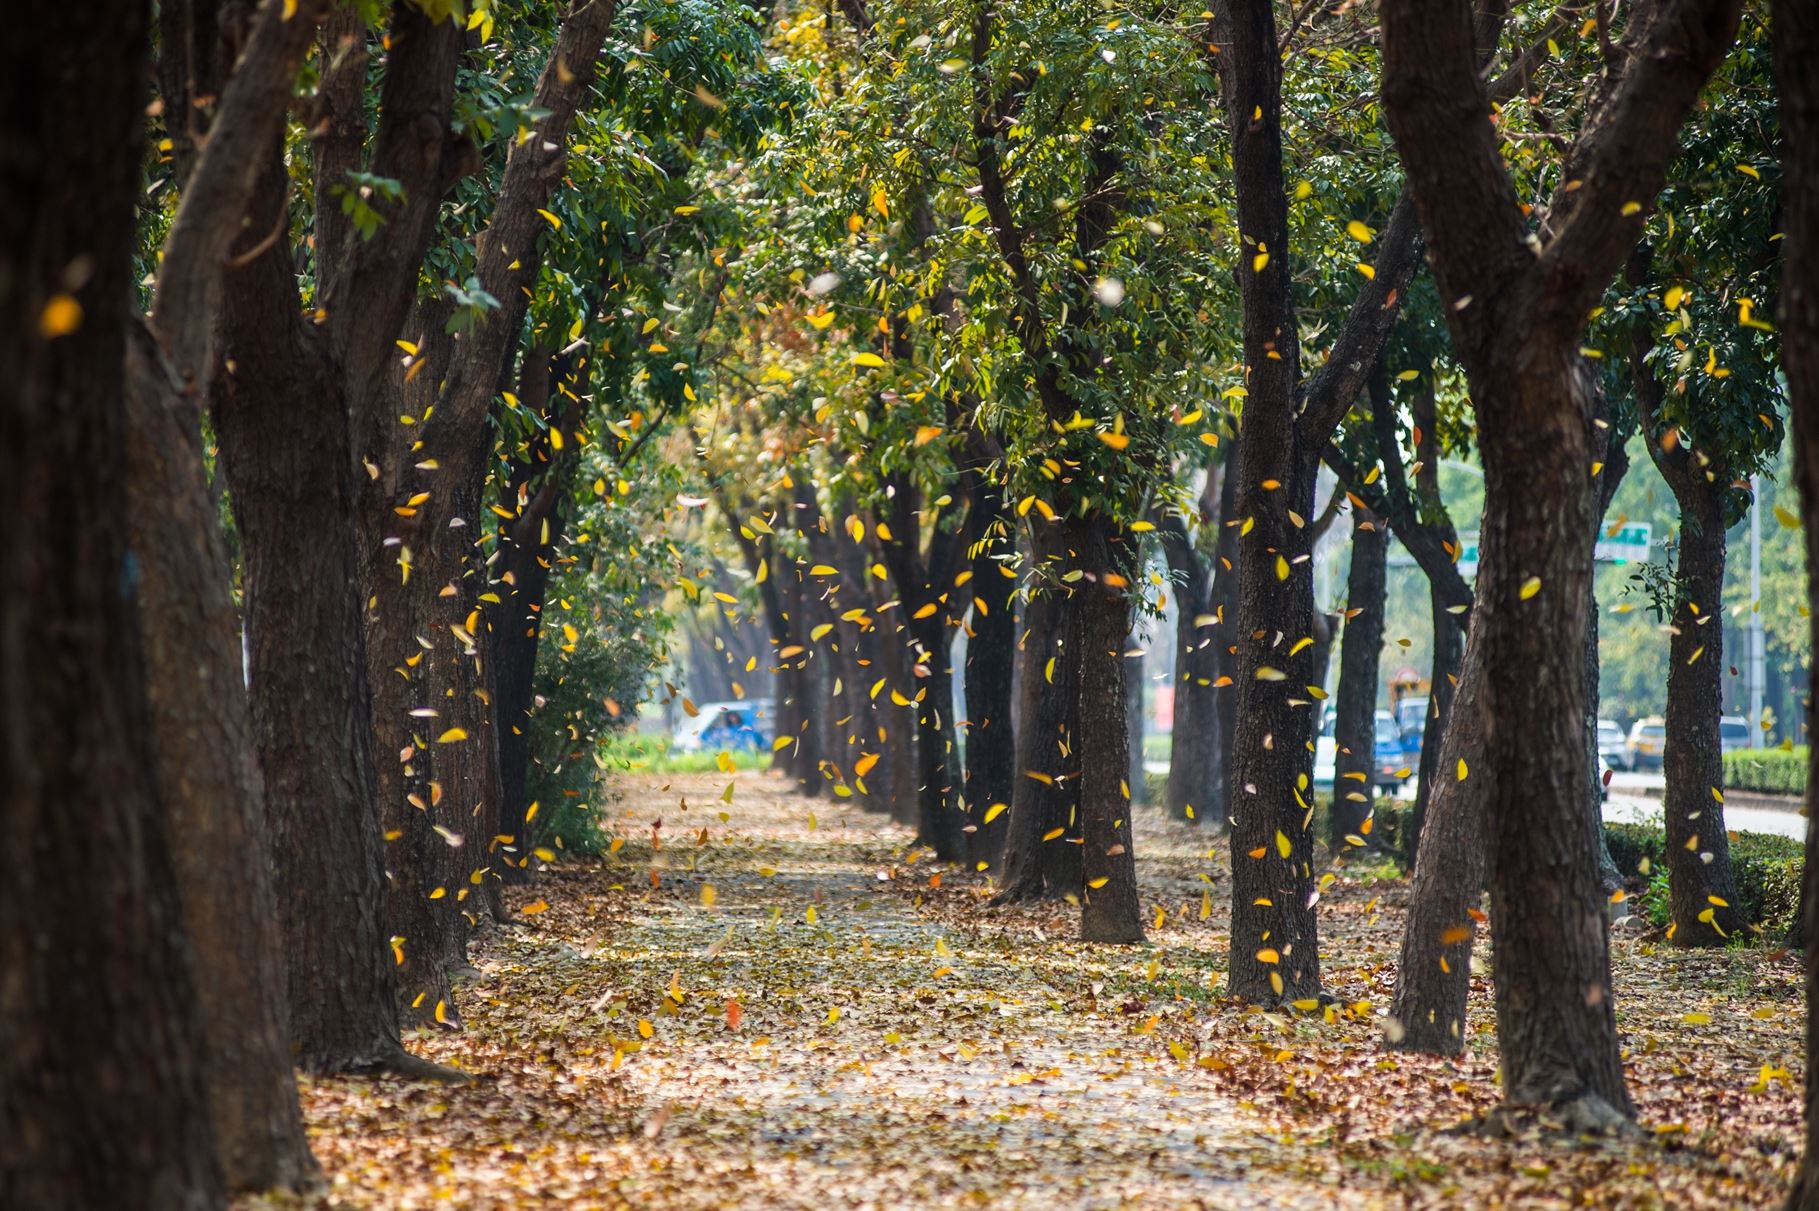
[[1388, 757]]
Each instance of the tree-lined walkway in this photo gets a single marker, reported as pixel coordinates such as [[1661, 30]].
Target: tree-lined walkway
[[781, 1004]]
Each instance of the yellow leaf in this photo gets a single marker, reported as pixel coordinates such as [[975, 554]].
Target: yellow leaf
[[1787, 520], [1101, 881], [1268, 674], [1268, 955], [927, 611], [551, 219], [451, 736], [1116, 441], [534, 908], [1530, 587], [1462, 770], [995, 810], [867, 359], [61, 316], [708, 895], [1284, 846], [1358, 231], [1674, 297]]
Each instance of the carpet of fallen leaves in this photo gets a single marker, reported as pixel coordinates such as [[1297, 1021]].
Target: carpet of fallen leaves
[[777, 1002]]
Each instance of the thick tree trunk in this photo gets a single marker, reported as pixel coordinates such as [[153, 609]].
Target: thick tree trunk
[[102, 1102], [939, 822], [209, 781], [1702, 893], [1795, 31], [1109, 907], [1434, 974], [1556, 1016], [1275, 951], [1042, 854], [1355, 711], [1223, 606], [515, 638], [991, 654], [282, 422]]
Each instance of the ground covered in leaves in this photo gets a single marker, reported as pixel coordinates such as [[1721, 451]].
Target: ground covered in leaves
[[776, 1002]]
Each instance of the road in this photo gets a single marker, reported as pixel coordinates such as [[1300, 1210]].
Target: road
[[1636, 799]]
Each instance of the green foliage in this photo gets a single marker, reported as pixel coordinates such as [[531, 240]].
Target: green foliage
[[1770, 771], [1767, 869]]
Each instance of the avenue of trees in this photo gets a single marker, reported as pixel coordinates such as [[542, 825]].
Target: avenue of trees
[[391, 379]]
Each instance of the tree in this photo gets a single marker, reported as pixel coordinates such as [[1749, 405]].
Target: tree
[[1285, 427], [102, 1098], [1518, 301], [1355, 710], [1795, 33]]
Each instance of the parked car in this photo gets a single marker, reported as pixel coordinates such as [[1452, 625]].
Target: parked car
[[1647, 741], [1610, 744], [1411, 721], [726, 726], [1387, 757], [1733, 733]]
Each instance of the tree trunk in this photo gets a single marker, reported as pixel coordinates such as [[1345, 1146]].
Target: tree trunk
[[1702, 894], [1556, 1017], [1434, 975], [939, 822], [1355, 714], [991, 654], [1795, 30], [209, 782], [282, 422], [1223, 606], [102, 1102], [1275, 953], [1042, 857], [1194, 743], [1109, 907]]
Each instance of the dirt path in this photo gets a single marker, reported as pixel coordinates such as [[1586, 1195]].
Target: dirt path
[[779, 1005]]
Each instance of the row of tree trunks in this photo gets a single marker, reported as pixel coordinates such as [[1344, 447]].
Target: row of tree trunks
[[102, 1102]]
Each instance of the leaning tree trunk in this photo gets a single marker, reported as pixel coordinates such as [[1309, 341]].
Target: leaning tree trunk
[[102, 1101], [1109, 908], [1355, 721], [1702, 893], [209, 781], [1795, 30], [282, 423], [1433, 977]]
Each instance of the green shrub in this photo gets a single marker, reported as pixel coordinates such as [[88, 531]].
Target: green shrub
[[1770, 771], [1767, 869]]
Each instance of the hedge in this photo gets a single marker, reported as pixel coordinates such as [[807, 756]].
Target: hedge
[[1770, 771]]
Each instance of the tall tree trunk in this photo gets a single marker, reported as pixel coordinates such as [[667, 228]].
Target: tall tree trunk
[[209, 781], [1109, 907], [1194, 743], [1355, 714], [1223, 606], [1702, 894], [991, 654], [102, 1102], [1795, 30], [1041, 851], [282, 422], [939, 822]]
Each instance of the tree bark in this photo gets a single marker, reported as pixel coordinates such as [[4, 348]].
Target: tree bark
[[209, 782], [1194, 745], [1433, 976], [991, 654], [282, 421], [1133, 718], [1109, 907], [1355, 715], [1795, 30], [1518, 308], [102, 1100]]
